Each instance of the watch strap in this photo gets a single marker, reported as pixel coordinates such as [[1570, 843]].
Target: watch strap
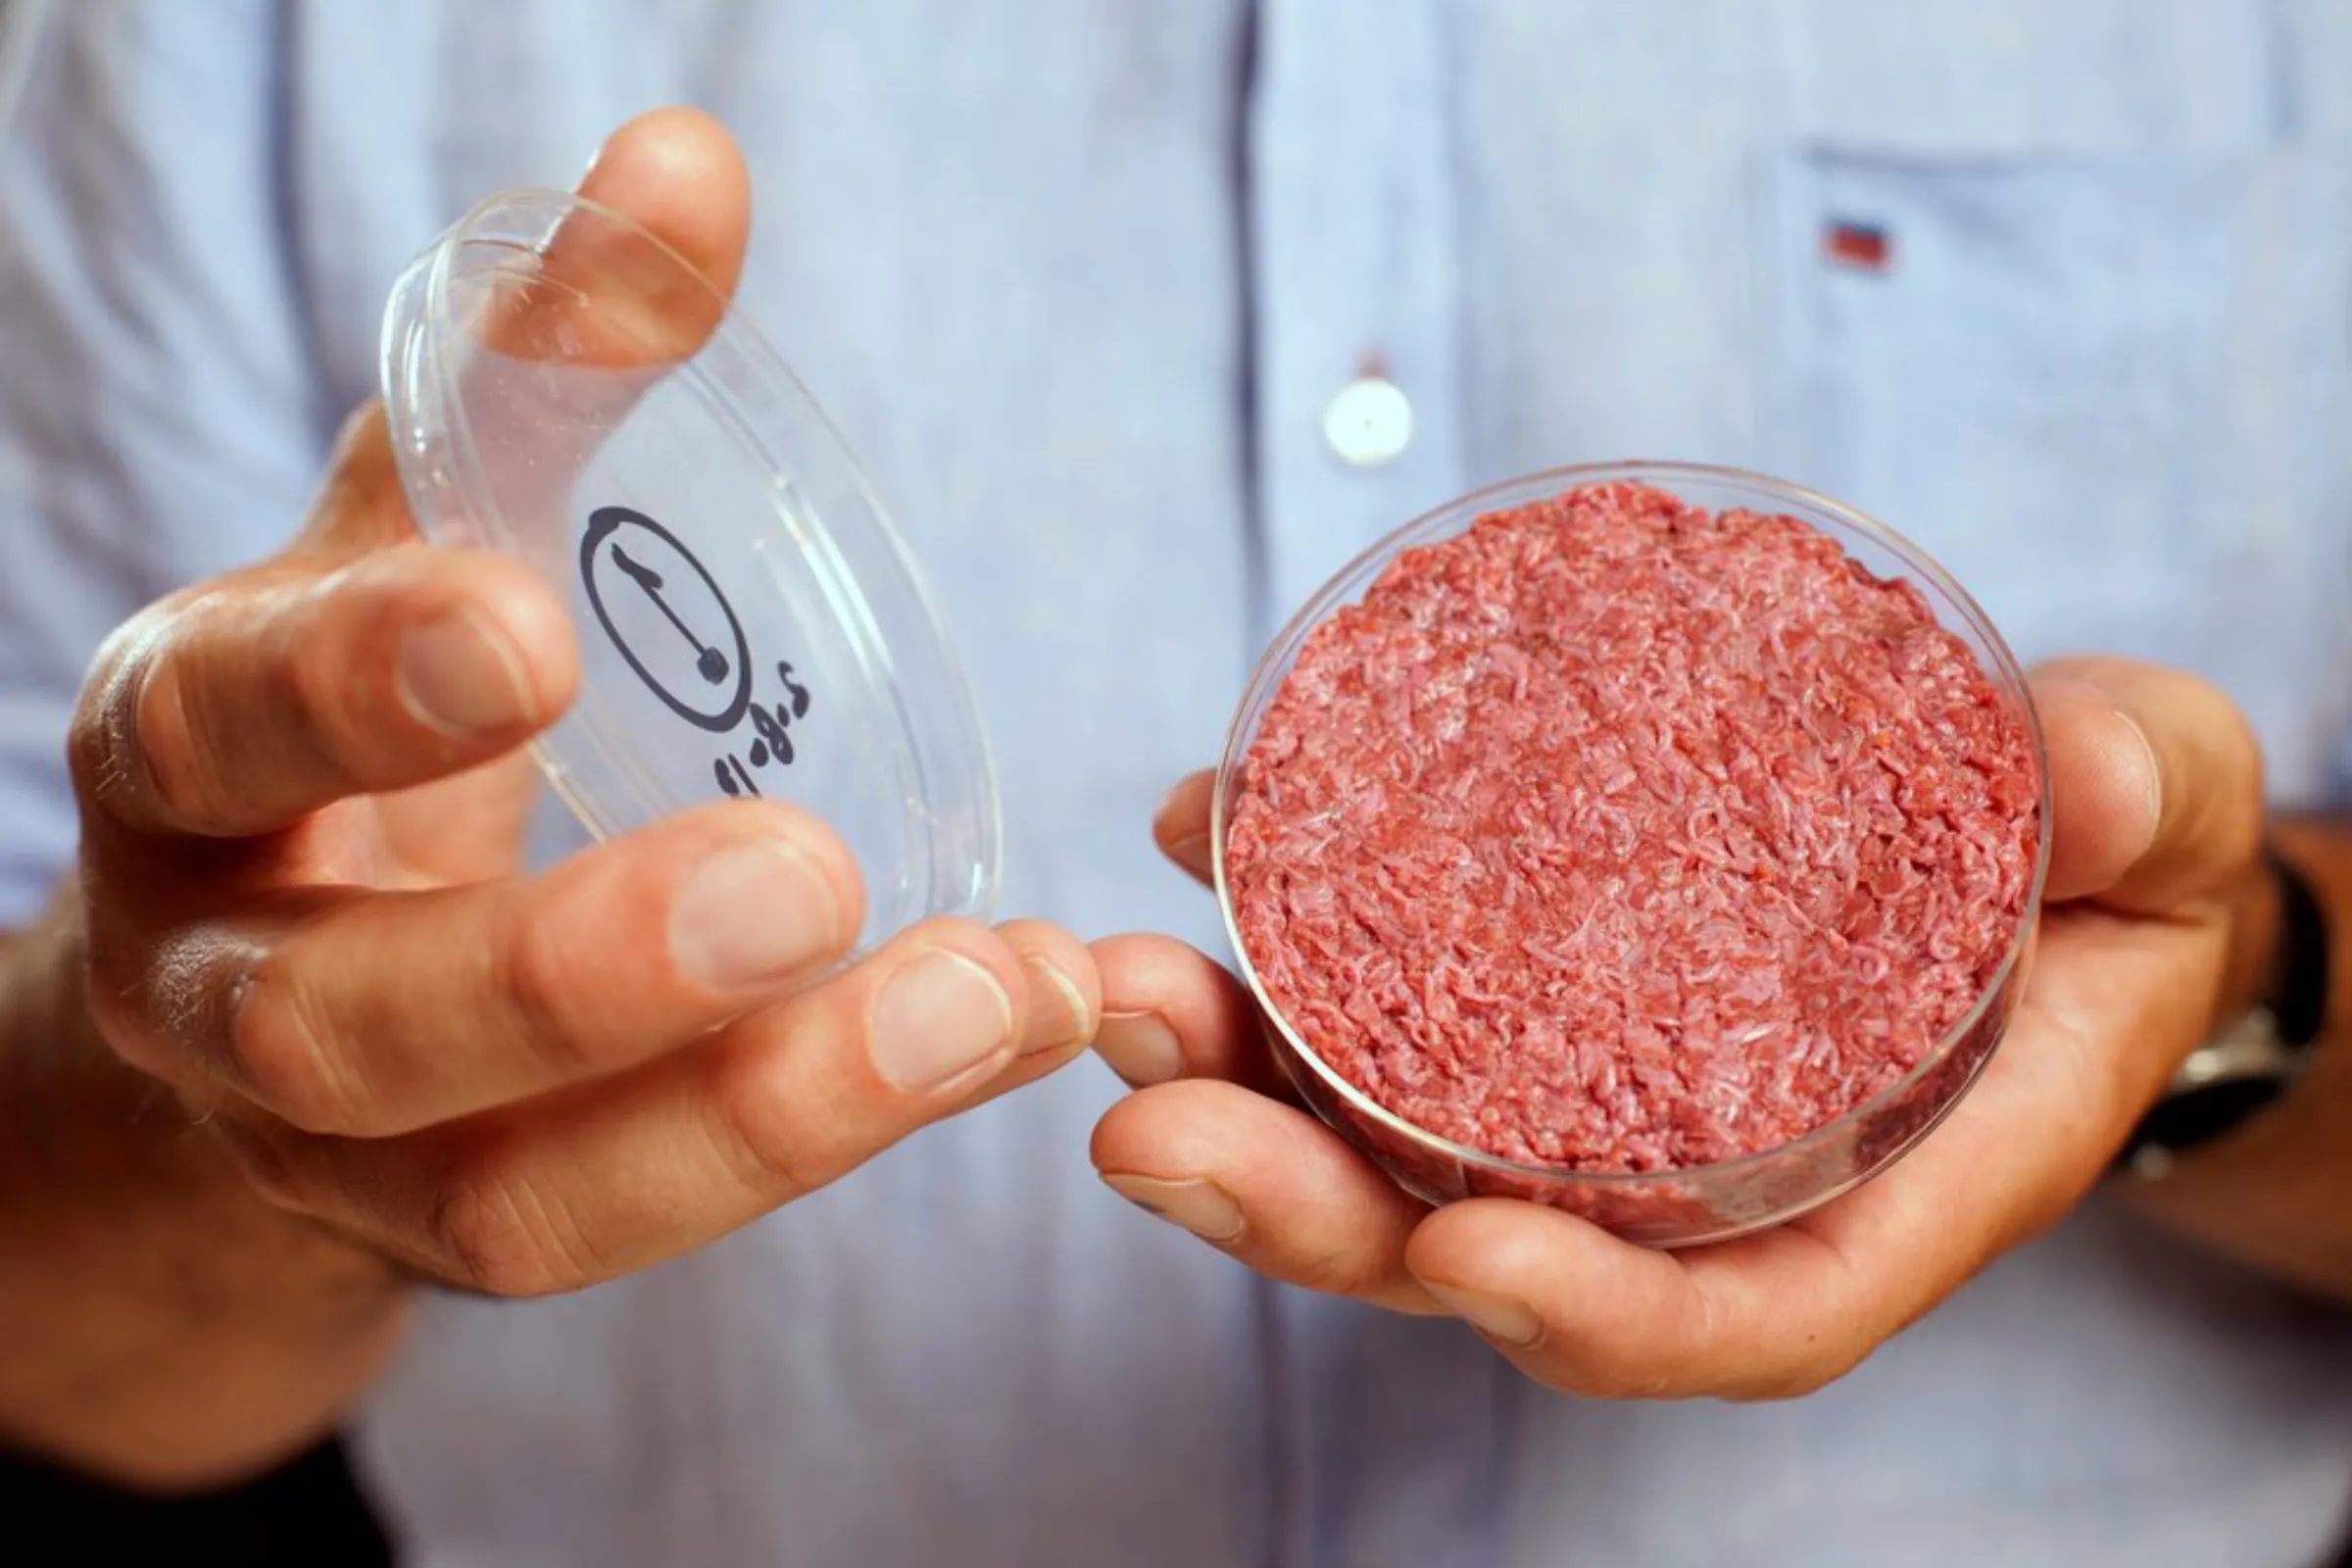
[[2241, 1072], [2298, 998]]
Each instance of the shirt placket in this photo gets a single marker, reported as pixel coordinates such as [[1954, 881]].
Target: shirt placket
[[1355, 288], [1387, 1427]]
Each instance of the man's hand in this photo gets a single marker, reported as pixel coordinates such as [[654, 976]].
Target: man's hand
[[301, 801], [2156, 920]]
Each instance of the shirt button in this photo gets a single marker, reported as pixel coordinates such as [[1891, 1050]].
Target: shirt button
[[1369, 422]]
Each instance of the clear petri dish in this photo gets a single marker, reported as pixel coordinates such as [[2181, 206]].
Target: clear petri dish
[[565, 388], [1697, 1204]]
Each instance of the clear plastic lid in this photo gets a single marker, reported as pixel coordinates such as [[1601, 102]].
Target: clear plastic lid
[[565, 388]]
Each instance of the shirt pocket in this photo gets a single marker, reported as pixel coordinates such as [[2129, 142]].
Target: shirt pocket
[[2014, 362]]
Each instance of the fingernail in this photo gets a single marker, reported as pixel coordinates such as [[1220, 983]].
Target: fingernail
[[588, 169], [753, 912], [463, 677], [2155, 772], [939, 1017], [1192, 851], [1200, 1207], [1058, 1016], [1167, 802], [1497, 1318], [1140, 1048]]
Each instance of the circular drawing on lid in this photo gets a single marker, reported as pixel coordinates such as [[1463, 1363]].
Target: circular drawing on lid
[[665, 614]]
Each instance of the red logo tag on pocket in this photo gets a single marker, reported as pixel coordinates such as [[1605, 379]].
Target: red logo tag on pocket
[[1849, 243]]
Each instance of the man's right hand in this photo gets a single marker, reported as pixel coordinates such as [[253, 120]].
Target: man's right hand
[[301, 797]]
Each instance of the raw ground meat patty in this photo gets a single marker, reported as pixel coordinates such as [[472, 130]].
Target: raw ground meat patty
[[1616, 835]]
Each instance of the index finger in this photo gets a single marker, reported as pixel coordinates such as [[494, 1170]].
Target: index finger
[[1171, 1011], [612, 1176], [344, 668], [1181, 827]]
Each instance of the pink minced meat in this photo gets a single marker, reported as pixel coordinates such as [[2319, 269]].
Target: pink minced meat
[[1619, 836]]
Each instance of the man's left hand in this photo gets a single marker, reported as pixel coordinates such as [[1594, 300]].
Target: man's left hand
[[2156, 923]]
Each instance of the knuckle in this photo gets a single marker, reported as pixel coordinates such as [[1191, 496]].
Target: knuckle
[[1796, 1385], [2236, 728], [186, 697], [192, 740], [535, 977], [269, 1168], [149, 1001], [2229, 754], [493, 1235], [98, 742], [1819, 1374], [1808, 1374], [158, 747], [1337, 1270], [280, 1058], [112, 989], [102, 743], [1619, 1378], [764, 1142], [325, 694]]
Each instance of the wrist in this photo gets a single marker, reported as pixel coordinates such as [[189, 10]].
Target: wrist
[[2253, 973], [2310, 958], [2266, 1022], [171, 1327], [2271, 1194]]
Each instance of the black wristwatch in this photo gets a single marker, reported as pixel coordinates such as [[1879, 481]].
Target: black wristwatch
[[2248, 1066]]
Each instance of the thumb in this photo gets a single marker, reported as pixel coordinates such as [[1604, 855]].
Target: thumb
[[608, 295], [2155, 785], [603, 296]]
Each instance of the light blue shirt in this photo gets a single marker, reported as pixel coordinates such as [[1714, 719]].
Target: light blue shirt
[[1080, 277]]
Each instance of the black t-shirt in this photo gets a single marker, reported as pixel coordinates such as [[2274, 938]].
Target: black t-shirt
[[308, 1512]]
